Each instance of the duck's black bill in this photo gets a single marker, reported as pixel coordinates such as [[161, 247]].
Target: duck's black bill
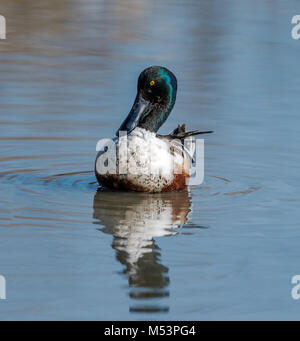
[[139, 110]]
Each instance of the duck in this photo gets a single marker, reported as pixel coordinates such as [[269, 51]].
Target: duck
[[138, 158]]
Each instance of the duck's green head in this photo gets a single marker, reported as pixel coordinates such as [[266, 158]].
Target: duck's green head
[[156, 95]]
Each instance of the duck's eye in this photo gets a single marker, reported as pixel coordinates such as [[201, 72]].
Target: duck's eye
[[152, 83]]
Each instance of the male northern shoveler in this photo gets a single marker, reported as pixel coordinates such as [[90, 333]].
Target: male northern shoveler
[[154, 163]]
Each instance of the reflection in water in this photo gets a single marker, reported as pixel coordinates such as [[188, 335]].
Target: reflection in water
[[134, 219]]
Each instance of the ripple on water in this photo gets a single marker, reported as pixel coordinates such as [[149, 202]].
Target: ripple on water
[[85, 180]]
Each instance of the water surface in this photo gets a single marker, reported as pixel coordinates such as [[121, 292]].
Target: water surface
[[224, 250]]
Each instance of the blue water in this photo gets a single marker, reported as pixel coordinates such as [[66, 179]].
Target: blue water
[[226, 249]]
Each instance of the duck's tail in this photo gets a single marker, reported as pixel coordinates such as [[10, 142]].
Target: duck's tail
[[181, 133]]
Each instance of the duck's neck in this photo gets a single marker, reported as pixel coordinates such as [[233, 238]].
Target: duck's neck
[[156, 117]]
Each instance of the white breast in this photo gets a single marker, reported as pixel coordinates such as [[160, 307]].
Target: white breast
[[146, 160], [149, 161]]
